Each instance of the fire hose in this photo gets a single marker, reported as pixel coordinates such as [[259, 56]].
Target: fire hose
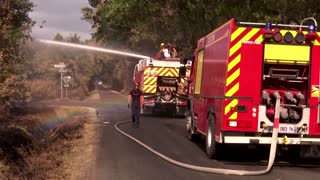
[[273, 148]]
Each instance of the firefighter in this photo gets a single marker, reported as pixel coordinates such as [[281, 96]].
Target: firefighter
[[166, 51], [173, 51], [134, 100], [160, 54]]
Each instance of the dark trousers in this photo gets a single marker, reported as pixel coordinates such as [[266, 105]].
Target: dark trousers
[[135, 114]]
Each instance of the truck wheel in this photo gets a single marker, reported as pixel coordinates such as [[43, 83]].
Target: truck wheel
[[211, 145], [192, 136]]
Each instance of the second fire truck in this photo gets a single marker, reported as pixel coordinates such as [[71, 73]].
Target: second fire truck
[[163, 89], [238, 72]]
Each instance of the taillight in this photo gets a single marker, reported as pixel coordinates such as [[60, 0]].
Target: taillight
[[182, 103]]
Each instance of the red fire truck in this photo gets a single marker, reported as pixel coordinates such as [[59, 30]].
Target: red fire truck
[[238, 71], [163, 89]]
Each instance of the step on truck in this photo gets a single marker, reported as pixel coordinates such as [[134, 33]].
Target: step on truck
[[163, 90], [239, 70]]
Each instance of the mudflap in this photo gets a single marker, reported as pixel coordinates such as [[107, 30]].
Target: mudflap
[[147, 110], [164, 107], [181, 110], [310, 152]]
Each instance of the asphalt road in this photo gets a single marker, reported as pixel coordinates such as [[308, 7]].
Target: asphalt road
[[119, 158]]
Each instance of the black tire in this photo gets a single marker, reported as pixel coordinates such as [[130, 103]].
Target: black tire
[[192, 135], [173, 113], [212, 147]]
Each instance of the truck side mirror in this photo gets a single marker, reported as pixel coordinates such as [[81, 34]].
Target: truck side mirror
[[182, 71]]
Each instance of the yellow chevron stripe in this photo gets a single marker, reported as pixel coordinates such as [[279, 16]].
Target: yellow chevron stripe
[[156, 69], [316, 42], [237, 32], [259, 39], [163, 72], [160, 71], [175, 72], [246, 37], [188, 73], [146, 88], [149, 88], [234, 62], [228, 107], [315, 91], [154, 81], [146, 72], [233, 76], [153, 90], [147, 80], [169, 73], [233, 90], [234, 116]]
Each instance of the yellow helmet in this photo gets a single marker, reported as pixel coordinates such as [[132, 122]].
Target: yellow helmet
[[162, 44]]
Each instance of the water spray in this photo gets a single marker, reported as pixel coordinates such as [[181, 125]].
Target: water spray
[[92, 48]]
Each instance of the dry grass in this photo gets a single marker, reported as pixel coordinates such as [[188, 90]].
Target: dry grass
[[43, 89], [46, 152]]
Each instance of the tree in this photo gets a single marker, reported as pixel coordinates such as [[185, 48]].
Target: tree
[[58, 37], [141, 25], [15, 26]]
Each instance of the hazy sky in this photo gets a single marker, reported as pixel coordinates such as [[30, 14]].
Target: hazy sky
[[63, 16]]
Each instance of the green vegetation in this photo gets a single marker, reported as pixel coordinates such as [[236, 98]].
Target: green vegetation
[[26, 70], [14, 30], [141, 25]]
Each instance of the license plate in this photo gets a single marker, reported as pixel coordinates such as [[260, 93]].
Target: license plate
[[286, 129]]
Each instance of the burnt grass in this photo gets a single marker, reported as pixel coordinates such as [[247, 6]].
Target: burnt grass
[[32, 149]]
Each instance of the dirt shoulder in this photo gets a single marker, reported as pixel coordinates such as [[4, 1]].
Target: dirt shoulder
[[81, 159], [56, 142]]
